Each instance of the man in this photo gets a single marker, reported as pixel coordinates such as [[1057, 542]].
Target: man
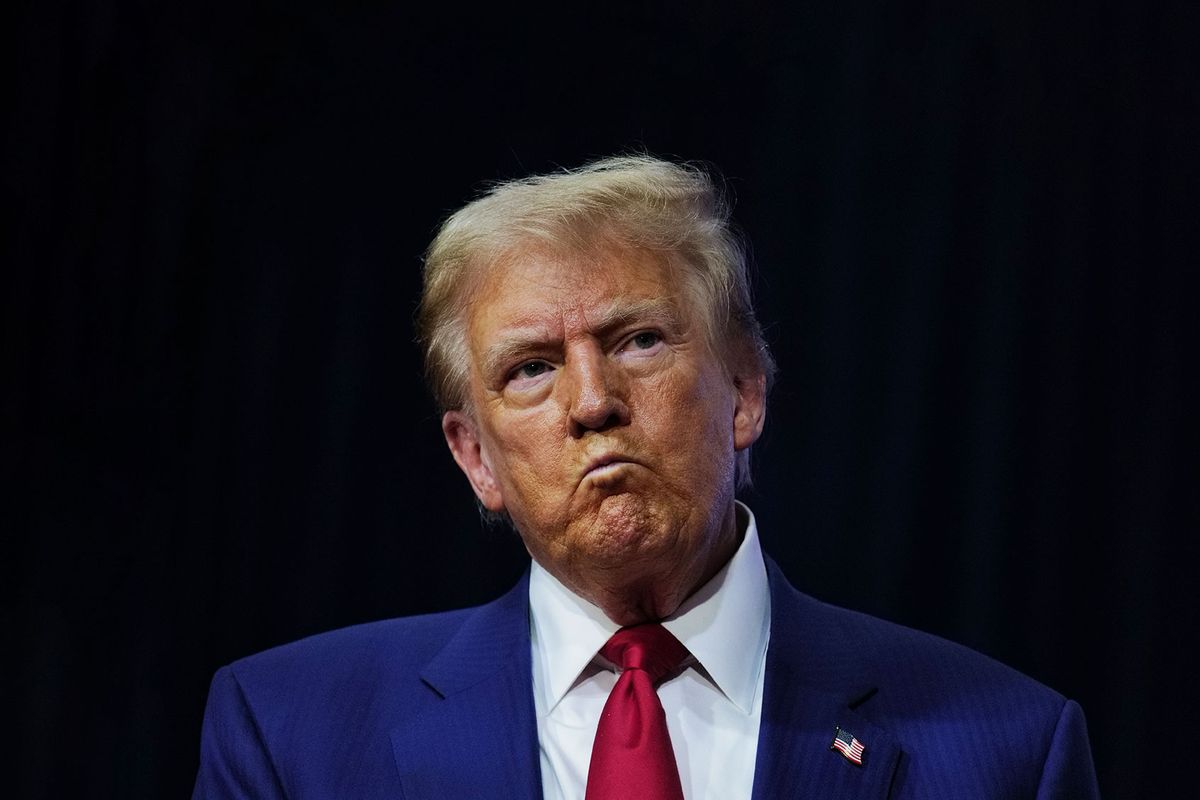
[[591, 340]]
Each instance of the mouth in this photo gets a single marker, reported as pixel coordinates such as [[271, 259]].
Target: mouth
[[605, 466]]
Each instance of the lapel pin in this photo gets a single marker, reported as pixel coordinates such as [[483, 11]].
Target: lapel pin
[[846, 744]]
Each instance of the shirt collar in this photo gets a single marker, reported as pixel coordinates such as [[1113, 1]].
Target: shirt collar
[[725, 625]]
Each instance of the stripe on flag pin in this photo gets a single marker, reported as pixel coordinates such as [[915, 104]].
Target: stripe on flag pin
[[850, 747]]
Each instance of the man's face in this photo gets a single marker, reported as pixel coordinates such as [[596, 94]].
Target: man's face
[[602, 421]]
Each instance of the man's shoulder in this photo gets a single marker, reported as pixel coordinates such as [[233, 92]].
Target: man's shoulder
[[968, 725], [321, 710], [390, 644], [838, 645], [387, 660]]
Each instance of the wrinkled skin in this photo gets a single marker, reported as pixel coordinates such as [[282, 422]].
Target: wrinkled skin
[[603, 423]]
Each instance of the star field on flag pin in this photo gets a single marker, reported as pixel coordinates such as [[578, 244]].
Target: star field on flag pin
[[850, 747]]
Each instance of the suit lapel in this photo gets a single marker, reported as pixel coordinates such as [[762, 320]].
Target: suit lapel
[[802, 706], [480, 738]]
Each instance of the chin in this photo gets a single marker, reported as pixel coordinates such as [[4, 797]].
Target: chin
[[623, 526]]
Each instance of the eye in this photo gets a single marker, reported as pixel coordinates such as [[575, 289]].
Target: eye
[[645, 340], [530, 369]]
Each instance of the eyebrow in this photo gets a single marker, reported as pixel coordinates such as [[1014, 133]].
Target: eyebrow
[[521, 339], [658, 311]]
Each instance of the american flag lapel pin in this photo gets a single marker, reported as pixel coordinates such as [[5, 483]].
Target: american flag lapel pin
[[850, 747]]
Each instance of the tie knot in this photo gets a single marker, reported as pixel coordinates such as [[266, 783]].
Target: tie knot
[[650, 648]]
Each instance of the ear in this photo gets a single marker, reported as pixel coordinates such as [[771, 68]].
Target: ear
[[462, 435], [749, 409]]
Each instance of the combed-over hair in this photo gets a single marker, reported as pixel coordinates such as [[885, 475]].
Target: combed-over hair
[[633, 201]]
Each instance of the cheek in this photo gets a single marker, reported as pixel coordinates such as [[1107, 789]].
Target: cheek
[[696, 416], [527, 454]]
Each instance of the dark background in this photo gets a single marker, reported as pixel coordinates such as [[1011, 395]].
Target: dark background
[[969, 226]]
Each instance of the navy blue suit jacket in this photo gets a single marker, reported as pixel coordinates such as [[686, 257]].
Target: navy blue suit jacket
[[441, 706]]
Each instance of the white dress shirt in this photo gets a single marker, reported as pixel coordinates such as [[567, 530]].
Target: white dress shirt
[[713, 706]]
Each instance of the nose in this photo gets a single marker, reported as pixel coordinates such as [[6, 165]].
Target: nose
[[595, 392]]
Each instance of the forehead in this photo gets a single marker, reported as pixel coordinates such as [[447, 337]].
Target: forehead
[[537, 288]]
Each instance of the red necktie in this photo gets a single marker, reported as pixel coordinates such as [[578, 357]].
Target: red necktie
[[632, 755]]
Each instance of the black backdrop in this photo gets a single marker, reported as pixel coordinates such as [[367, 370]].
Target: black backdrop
[[969, 226]]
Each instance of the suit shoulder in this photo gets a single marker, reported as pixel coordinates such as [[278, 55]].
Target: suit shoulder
[[966, 723], [903, 653], [385, 645], [835, 645], [947, 706], [318, 711]]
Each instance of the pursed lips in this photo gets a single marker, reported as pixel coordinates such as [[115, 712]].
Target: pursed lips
[[602, 463]]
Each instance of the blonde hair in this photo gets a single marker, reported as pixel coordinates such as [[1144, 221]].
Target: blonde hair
[[636, 201]]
